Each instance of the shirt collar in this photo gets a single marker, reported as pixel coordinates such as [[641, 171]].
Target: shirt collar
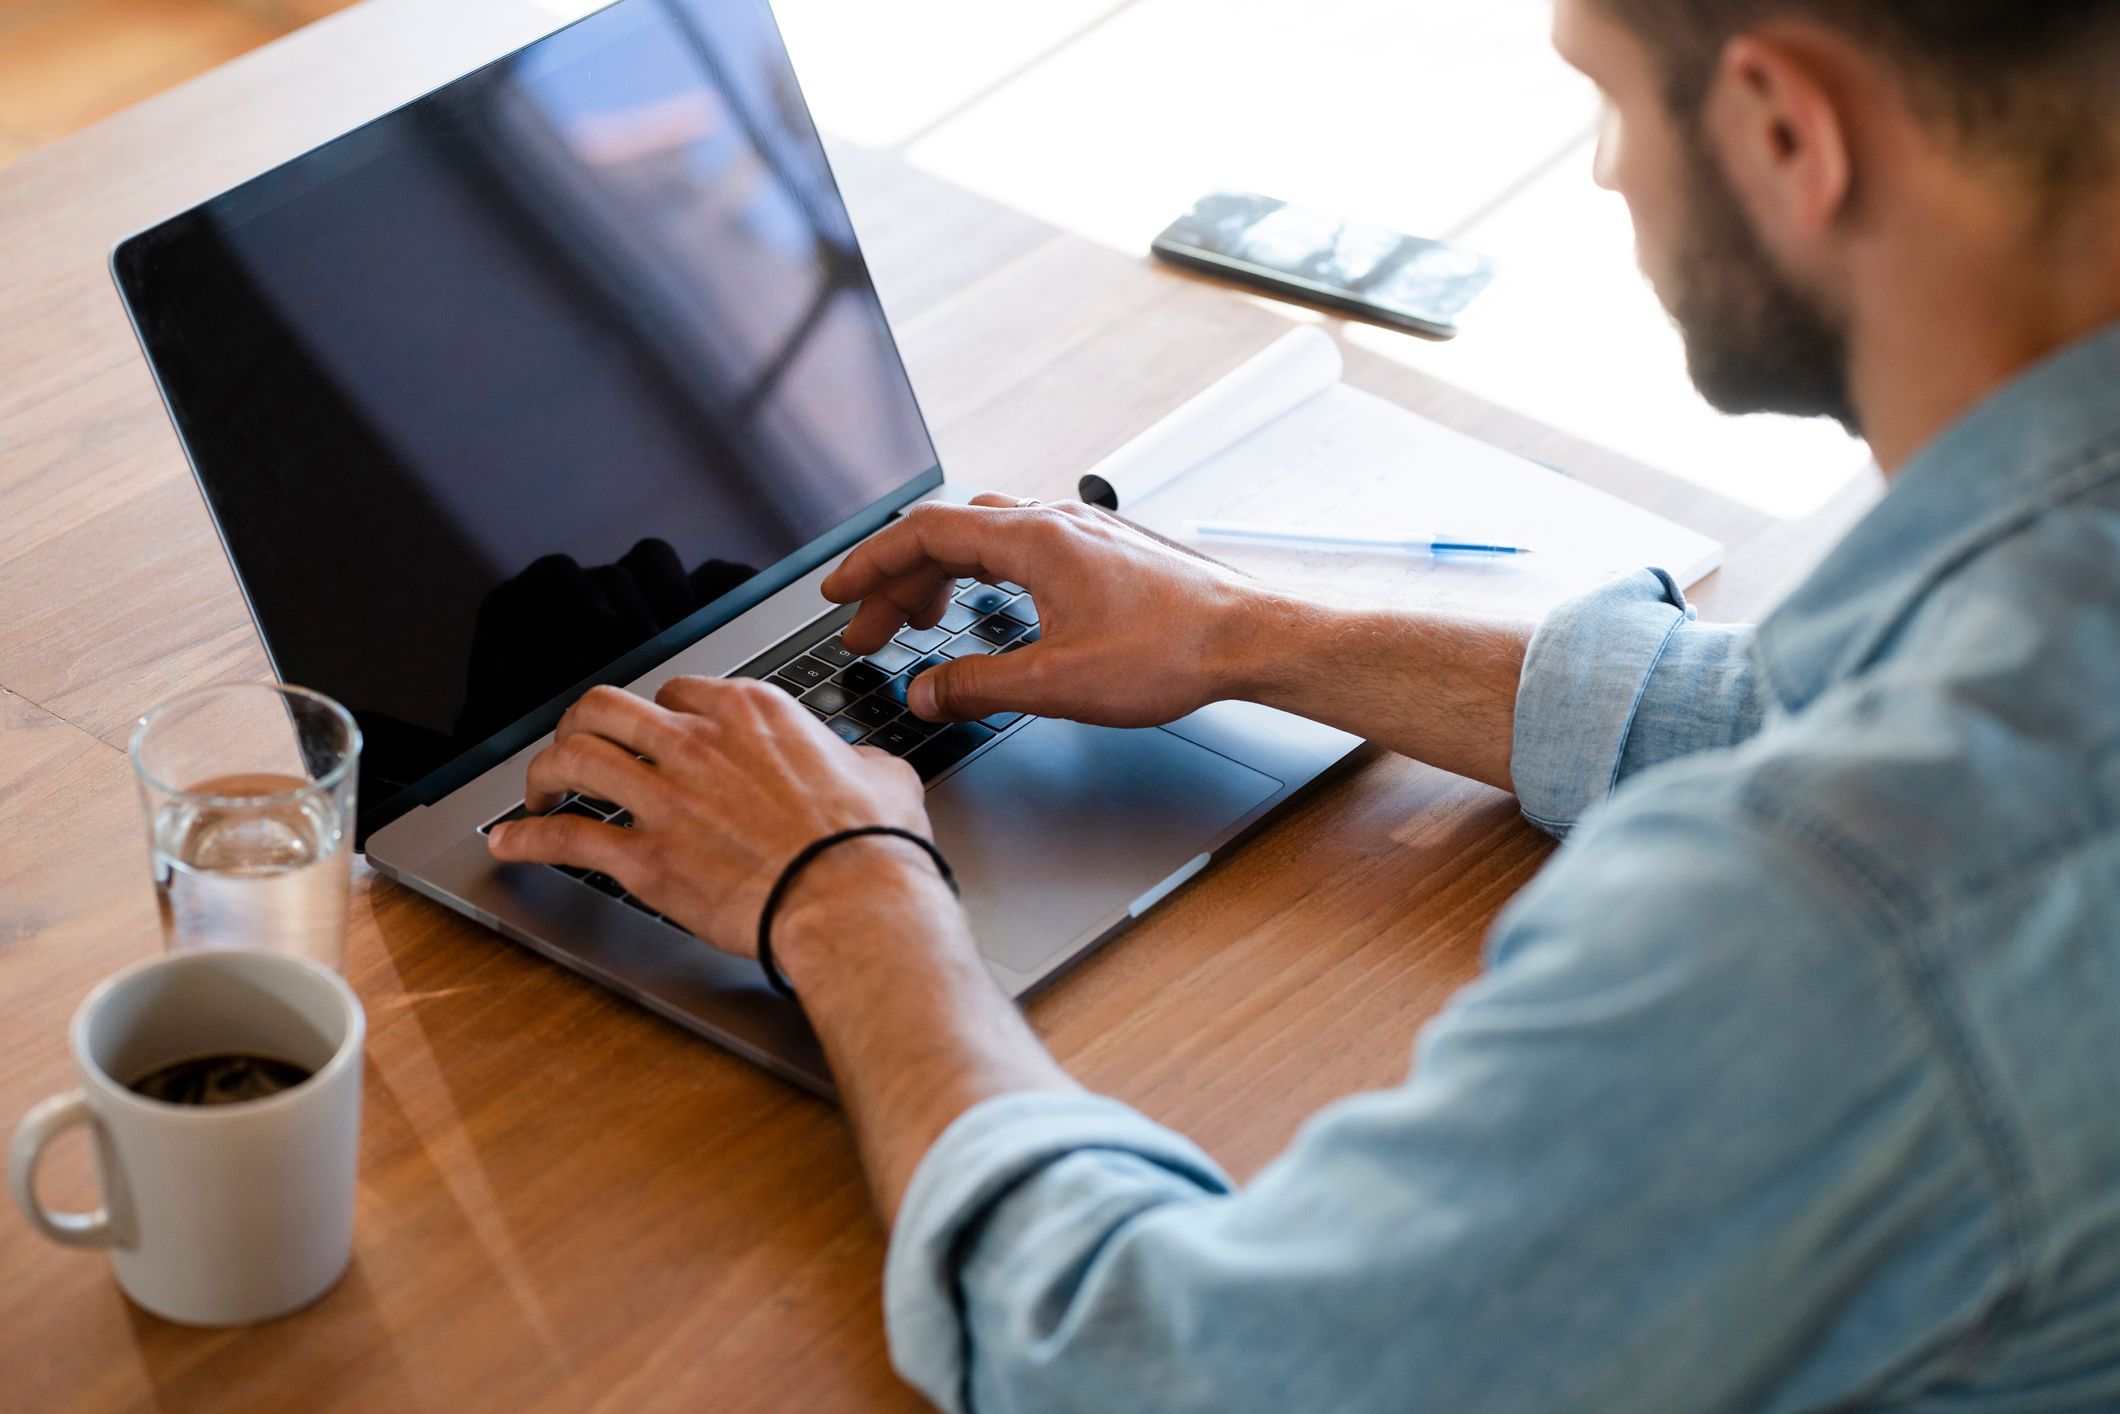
[[2047, 435]]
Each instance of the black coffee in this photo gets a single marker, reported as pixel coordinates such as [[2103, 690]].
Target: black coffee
[[220, 1080]]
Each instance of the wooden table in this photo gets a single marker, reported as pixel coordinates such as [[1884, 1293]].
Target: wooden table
[[564, 1201]]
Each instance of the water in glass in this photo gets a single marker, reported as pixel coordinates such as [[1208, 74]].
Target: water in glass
[[272, 875]]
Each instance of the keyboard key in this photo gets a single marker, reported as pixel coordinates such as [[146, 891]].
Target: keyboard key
[[1002, 721], [831, 699], [605, 808], [1007, 587], [893, 658], [1032, 637], [571, 872], [623, 820], [925, 665], [947, 747], [895, 738], [833, 651], [862, 678], [636, 903], [847, 729], [984, 600], [808, 671], [874, 711], [605, 884], [998, 629], [966, 583], [792, 689], [923, 640], [959, 618], [967, 647], [902, 736], [579, 810], [813, 712], [894, 689], [1023, 611]]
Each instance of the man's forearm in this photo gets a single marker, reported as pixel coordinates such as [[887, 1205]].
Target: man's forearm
[[915, 1027], [1434, 685]]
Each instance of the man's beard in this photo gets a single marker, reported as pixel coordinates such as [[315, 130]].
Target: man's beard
[[1754, 343]]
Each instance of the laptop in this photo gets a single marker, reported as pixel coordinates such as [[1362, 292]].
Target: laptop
[[572, 372]]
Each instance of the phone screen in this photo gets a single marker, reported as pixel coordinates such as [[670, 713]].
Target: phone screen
[[1401, 277]]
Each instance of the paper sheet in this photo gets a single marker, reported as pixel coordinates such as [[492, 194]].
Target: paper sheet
[[1295, 368], [1339, 459]]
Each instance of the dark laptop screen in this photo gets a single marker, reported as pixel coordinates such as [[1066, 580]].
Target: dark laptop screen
[[531, 381]]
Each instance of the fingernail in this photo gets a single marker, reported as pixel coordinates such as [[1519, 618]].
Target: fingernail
[[495, 835], [921, 697]]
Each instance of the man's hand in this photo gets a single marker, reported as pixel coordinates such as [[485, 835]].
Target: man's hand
[[738, 780], [1134, 632]]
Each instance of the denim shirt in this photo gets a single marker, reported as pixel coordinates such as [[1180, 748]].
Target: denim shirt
[[1793, 1081]]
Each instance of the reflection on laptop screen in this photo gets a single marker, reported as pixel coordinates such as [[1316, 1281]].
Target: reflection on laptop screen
[[494, 391]]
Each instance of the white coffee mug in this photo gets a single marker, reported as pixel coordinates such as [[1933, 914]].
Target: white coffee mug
[[215, 1215]]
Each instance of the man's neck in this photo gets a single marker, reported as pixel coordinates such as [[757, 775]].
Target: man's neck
[[1971, 297]]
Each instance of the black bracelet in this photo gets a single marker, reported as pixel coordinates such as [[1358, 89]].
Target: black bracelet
[[803, 861]]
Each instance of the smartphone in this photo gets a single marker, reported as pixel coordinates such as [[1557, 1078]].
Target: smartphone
[[1322, 259]]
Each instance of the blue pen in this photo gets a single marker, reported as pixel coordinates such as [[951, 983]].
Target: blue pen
[[1283, 538]]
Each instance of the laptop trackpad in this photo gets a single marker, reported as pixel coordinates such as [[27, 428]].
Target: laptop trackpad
[[1061, 825]]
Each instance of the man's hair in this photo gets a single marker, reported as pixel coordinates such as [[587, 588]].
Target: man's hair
[[2034, 79]]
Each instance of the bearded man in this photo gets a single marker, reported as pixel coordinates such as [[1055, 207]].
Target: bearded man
[[1792, 1081]]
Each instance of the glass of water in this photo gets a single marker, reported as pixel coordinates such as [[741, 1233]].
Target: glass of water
[[249, 792]]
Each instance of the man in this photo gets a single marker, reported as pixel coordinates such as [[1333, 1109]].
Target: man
[[1792, 1081]]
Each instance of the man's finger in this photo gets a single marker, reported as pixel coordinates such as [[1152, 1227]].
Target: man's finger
[[695, 696], [941, 540], [563, 839], [619, 716], [882, 615], [980, 686], [591, 764], [742, 713]]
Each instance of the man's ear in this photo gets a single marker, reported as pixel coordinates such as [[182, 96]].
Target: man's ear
[[1775, 119]]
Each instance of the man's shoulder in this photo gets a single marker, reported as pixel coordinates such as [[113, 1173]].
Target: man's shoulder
[[1978, 748], [2036, 607]]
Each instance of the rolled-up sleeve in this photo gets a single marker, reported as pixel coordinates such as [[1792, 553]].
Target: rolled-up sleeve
[[976, 1163], [1620, 680]]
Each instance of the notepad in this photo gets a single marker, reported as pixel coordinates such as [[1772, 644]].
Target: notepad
[[1283, 441]]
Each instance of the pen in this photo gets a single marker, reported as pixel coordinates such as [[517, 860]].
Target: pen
[[1282, 537]]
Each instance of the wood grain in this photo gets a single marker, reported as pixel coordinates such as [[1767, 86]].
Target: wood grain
[[566, 1203]]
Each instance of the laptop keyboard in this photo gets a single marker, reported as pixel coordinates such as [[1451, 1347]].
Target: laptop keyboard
[[862, 698]]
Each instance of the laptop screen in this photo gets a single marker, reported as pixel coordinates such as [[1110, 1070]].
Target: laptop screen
[[532, 381]]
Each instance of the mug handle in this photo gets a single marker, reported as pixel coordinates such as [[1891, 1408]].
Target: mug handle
[[38, 1128]]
